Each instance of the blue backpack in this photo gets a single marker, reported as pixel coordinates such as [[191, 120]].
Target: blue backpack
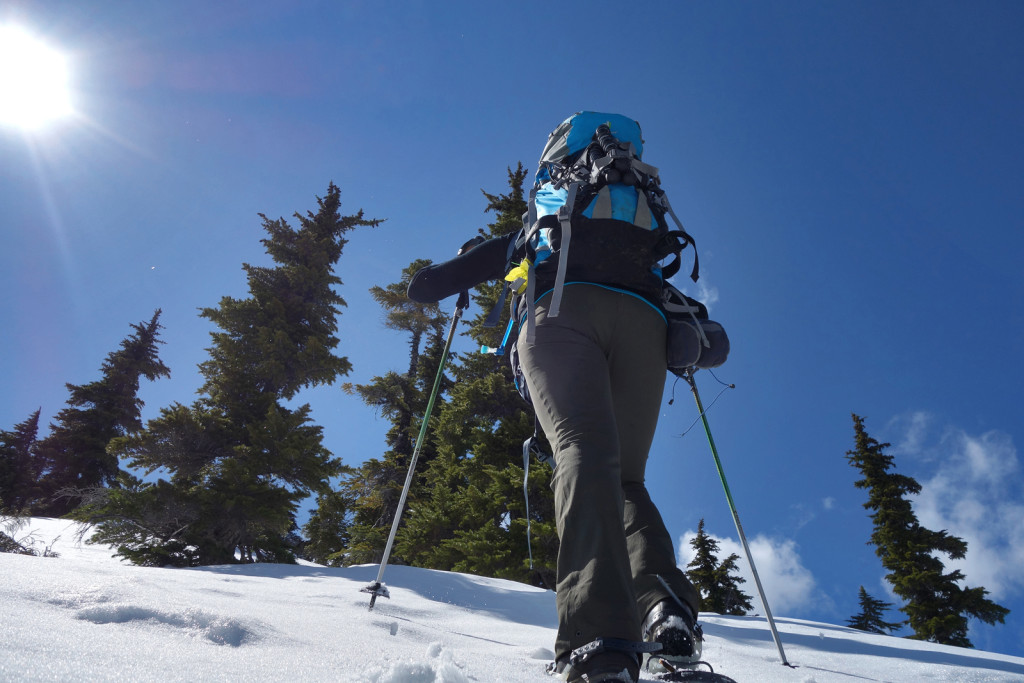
[[598, 207], [601, 209]]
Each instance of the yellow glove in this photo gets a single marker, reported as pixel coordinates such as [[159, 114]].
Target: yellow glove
[[519, 276]]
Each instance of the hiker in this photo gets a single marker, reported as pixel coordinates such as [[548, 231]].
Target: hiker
[[592, 349]]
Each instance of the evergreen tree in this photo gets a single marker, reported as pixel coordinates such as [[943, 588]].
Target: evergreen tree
[[473, 516], [242, 458], [74, 458], [327, 529], [717, 583], [703, 568], [937, 606], [375, 488], [19, 472], [731, 598], [870, 616]]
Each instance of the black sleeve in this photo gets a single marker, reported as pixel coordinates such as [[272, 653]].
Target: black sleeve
[[484, 262]]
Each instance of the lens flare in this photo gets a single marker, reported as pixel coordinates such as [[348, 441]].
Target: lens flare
[[34, 81]]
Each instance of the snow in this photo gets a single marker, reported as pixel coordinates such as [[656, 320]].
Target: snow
[[86, 616]]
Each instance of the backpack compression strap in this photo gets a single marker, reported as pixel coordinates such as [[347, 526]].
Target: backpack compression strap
[[565, 221], [677, 234]]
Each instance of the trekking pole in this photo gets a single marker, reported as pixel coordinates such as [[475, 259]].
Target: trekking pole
[[688, 376], [377, 588]]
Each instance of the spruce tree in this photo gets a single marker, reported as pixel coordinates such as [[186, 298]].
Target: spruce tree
[[19, 471], [730, 598], [374, 489], [473, 517], [327, 529], [717, 583], [937, 606], [242, 457], [870, 616], [74, 460], [703, 568]]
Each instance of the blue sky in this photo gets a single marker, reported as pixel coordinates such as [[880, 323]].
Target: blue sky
[[852, 173]]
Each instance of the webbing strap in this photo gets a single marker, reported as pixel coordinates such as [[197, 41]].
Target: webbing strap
[[645, 169], [603, 203], [694, 274], [684, 308], [531, 324], [596, 647], [642, 217], [565, 221], [526, 493], [531, 214], [495, 315]]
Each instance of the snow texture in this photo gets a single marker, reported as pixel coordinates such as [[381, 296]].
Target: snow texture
[[86, 616]]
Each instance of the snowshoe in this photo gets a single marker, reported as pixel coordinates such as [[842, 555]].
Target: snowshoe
[[605, 660], [680, 675]]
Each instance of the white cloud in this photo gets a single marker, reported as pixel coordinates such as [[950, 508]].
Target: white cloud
[[802, 515], [788, 585], [975, 491], [828, 503], [913, 429], [705, 293]]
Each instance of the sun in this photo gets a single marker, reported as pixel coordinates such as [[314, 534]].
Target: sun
[[34, 83]]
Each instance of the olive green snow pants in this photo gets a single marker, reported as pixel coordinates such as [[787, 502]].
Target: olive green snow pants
[[596, 375]]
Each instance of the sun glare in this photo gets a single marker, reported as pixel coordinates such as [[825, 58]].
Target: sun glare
[[33, 81]]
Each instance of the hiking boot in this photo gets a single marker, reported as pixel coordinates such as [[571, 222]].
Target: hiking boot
[[676, 629]]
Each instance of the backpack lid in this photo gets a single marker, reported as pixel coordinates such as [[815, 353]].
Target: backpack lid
[[577, 131]]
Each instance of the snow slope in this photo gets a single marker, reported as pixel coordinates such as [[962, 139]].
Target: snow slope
[[84, 616]]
